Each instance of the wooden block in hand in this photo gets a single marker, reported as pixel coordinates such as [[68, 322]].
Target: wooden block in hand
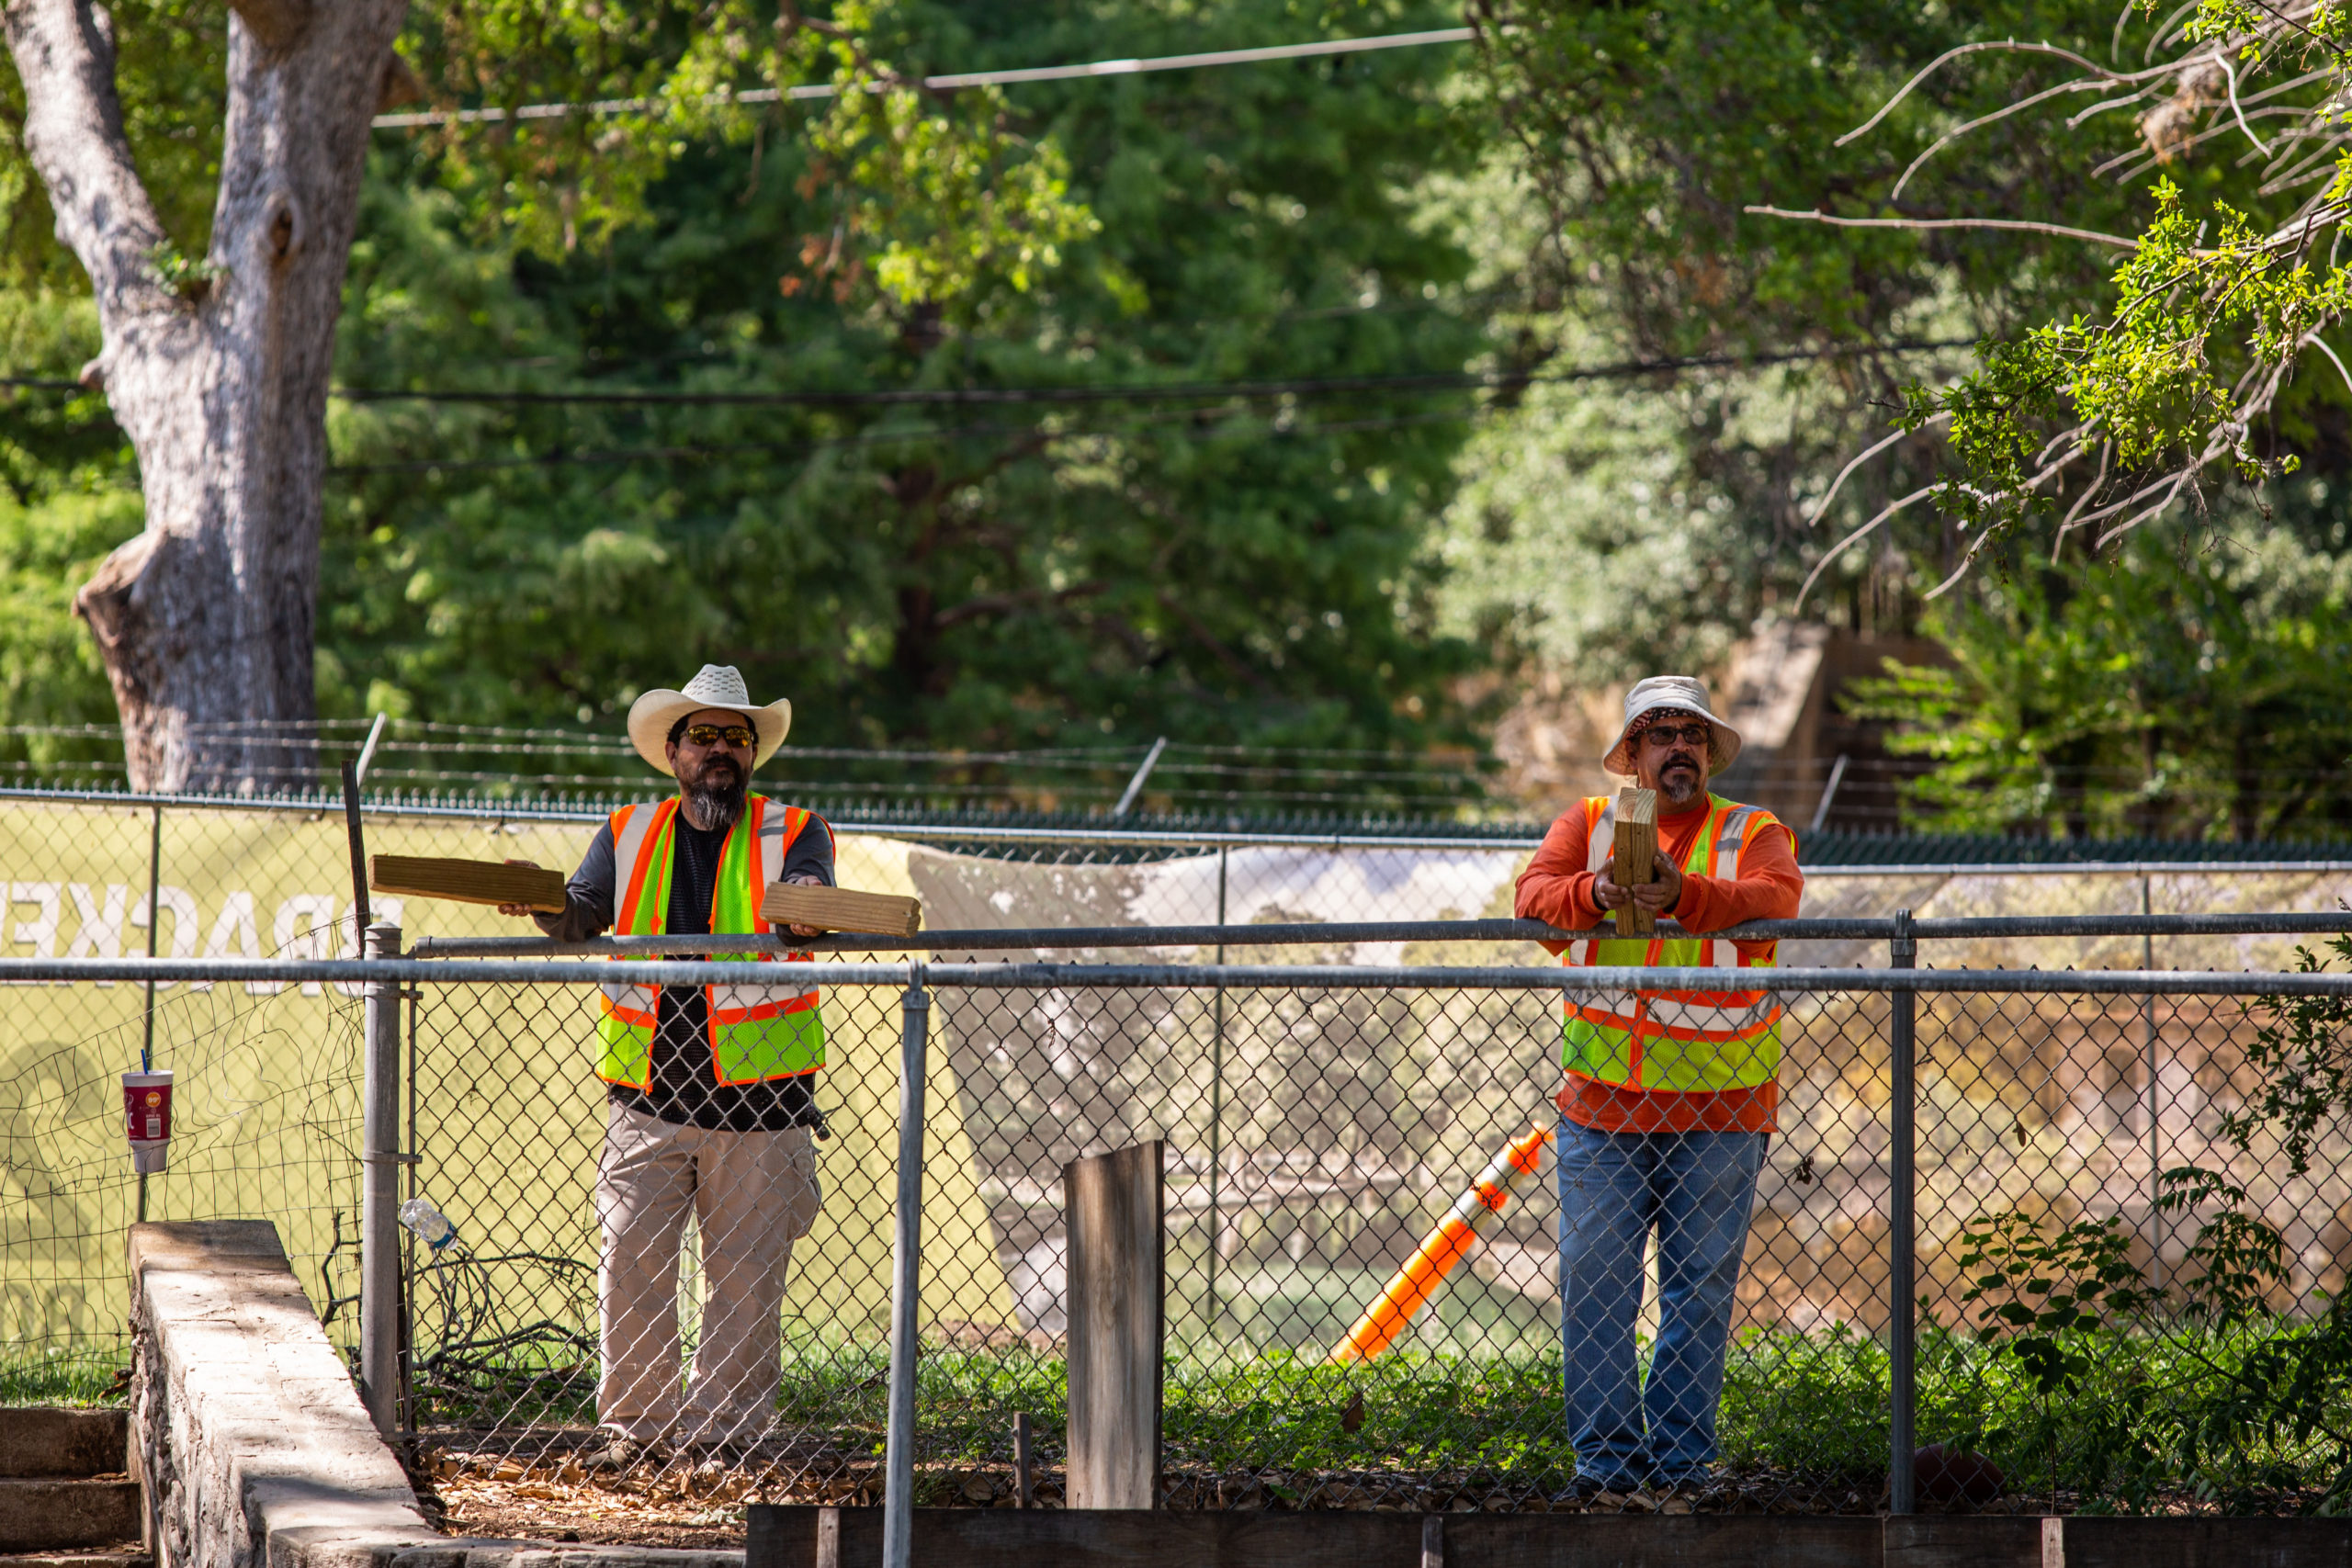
[[1637, 854], [840, 909], [467, 881]]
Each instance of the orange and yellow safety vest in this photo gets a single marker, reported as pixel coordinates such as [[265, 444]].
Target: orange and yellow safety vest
[[757, 1031], [1677, 1040]]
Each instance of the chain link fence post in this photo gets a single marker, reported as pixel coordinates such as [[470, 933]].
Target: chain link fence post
[[906, 1276], [380, 1161], [1902, 1342]]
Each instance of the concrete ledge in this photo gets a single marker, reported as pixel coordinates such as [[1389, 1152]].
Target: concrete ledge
[[249, 1434], [254, 1444]]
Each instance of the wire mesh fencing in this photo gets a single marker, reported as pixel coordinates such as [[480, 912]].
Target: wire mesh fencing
[[267, 1121], [1317, 1138], [2066, 1319]]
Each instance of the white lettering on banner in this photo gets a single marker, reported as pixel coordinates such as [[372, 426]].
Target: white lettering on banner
[[312, 941], [98, 931], [42, 931], [180, 904], [235, 924]]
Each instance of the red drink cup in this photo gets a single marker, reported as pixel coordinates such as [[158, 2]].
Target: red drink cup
[[147, 1118]]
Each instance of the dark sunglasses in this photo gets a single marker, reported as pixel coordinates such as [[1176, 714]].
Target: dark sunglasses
[[712, 734], [1687, 734]]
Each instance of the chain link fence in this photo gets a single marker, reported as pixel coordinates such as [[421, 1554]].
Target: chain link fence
[[1316, 1135]]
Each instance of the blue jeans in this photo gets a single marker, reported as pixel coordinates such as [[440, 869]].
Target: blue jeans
[[1695, 1189]]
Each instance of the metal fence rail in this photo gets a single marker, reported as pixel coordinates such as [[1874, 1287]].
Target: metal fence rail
[[1937, 1127]]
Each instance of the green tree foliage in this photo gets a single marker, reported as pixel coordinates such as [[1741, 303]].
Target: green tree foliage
[[2111, 413], [1642, 138], [978, 572], [66, 498], [2085, 695], [2185, 685]]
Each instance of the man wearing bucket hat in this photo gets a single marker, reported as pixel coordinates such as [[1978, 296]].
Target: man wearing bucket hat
[[709, 1097], [1668, 1097]]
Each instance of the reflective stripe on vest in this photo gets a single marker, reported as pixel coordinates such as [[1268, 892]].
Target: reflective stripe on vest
[[1675, 1041], [756, 1032]]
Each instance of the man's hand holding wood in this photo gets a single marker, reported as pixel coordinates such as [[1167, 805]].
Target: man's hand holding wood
[[1658, 896]]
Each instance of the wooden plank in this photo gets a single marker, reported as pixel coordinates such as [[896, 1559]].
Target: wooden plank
[[781, 1536], [1637, 854], [784, 1536], [1628, 1540], [1113, 1216], [1963, 1540], [2207, 1544], [467, 881], [841, 909]]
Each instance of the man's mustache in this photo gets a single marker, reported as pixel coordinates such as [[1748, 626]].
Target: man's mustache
[[1678, 760]]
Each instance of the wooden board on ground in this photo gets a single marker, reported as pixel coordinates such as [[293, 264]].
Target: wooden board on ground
[[784, 1536], [790, 1536], [841, 909], [467, 881], [1637, 854]]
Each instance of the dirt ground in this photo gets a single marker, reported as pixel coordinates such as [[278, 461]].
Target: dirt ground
[[556, 1499]]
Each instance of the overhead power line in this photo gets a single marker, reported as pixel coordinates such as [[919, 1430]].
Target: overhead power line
[[1440, 382], [949, 82]]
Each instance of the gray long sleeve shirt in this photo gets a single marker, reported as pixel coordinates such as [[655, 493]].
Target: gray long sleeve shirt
[[685, 1086]]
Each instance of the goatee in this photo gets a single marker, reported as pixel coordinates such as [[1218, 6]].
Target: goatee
[[717, 795]]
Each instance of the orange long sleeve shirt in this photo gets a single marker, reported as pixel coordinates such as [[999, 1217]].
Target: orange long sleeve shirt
[[1557, 890]]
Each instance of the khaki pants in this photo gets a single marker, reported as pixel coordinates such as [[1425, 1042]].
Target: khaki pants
[[752, 1194]]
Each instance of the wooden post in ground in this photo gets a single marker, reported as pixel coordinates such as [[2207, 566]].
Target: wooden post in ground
[[1113, 1217]]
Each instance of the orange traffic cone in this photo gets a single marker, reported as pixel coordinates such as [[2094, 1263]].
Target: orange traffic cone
[[1440, 1250]]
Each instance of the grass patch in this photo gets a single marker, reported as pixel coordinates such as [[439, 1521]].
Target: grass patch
[[64, 1374], [1806, 1405]]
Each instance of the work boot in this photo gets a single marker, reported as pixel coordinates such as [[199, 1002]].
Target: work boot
[[614, 1453]]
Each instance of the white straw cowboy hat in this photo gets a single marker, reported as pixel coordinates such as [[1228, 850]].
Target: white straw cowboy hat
[[714, 686], [1685, 694]]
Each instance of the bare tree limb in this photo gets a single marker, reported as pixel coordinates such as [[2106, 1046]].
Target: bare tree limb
[[2090, 493], [2020, 107], [2019, 224], [1863, 456], [1842, 545], [2231, 76], [2320, 343], [2008, 46]]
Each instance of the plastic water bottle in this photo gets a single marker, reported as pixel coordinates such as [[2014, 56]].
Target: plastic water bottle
[[430, 1224]]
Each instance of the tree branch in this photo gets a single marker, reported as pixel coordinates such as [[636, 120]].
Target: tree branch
[[65, 55], [1818, 216], [2009, 47]]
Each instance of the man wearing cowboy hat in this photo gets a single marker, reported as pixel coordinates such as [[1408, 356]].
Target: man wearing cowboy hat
[[709, 1101], [1668, 1097]]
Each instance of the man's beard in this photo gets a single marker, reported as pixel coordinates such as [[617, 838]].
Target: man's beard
[[1685, 784], [717, 793]]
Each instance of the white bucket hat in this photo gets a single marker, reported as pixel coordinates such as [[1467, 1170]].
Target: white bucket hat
[[1685, 694], [714, 686]]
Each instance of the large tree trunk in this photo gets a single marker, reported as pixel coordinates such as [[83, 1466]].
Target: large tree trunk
[[205, 619]]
